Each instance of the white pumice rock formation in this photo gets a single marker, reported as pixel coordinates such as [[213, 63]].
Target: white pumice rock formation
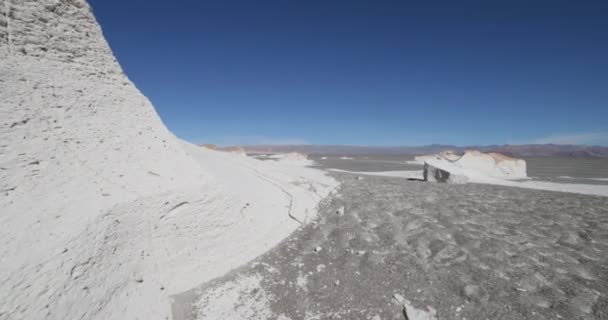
[[493, 164], [104, 212], [474, 165]]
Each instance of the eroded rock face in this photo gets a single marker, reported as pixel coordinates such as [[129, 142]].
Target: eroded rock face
[[104, 212], [66, 103], [77, 142], [434, 174], [60, 30], [493, 164]]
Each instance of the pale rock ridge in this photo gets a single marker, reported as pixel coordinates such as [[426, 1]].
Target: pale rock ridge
[[104, 212]]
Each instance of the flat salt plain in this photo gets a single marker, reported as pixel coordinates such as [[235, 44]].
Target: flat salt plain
[[389, 248]]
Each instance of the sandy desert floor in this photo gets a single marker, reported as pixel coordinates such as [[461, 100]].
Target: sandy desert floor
[[388, 248]]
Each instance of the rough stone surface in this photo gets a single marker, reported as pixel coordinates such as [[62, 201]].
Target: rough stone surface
[[104, 212], [60, 30], [434, 174]]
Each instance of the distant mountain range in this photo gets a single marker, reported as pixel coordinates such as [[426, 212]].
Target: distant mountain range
[[526, 150]]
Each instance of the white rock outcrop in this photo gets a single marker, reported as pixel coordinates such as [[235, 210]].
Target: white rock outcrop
[[292, 158], [104, 212], [473, 165], [494, 165]]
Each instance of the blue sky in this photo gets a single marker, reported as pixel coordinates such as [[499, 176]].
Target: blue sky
[[368, 72]]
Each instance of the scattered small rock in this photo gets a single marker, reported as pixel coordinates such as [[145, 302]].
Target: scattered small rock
[[472, 291], [340, 211], [398, 298], [317, 249]]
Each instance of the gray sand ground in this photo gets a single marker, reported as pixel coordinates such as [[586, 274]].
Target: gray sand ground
[[568, 170], [463, 251]]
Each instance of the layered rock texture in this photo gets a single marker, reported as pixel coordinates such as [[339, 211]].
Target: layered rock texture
[[105, 213]]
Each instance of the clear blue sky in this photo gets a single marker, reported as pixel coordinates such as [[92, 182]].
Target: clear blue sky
[[368, 72]]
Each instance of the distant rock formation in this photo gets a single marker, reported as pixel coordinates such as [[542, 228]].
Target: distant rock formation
[[209, 146], [295, 156], [493, 164], [443, 167], [291, 157], [236, 150]]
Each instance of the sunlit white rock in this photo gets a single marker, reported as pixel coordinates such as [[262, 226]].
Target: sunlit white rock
[[473, 164]]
